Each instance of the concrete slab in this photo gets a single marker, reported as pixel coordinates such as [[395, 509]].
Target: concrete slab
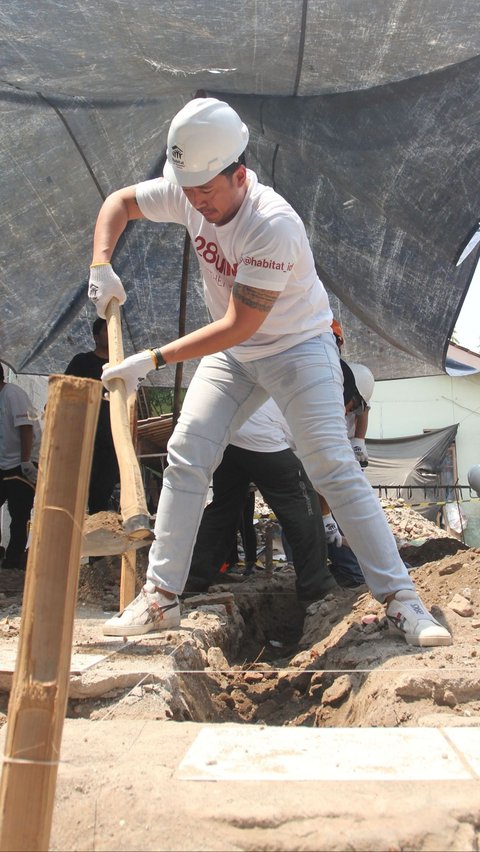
[[236, 753], [467, 742]]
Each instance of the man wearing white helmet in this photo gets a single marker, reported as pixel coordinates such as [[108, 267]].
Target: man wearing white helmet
[[357, 416], [358, 385], [270, 336]]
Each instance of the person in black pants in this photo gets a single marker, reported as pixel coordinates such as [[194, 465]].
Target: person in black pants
[[105, 474], [246, 528], [281, 479]]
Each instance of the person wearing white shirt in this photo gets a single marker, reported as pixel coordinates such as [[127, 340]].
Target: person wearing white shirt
[[270, 336], [20, 435], [260, 452]]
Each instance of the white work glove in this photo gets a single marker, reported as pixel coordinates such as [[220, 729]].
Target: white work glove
[[332, 532], [29, 471], [360, 450], [131, 370], [104, 285]]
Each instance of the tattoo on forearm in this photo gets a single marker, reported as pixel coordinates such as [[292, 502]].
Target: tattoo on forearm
[[261, 300]]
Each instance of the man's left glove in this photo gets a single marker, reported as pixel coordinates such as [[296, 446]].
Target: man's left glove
[[132, 370], [360, 450], [104, 285], [29, 471], [332, 533]]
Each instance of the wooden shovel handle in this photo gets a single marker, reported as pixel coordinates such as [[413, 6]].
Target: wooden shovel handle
[[133, 506]]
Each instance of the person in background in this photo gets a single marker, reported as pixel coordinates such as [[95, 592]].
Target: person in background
[[20, 436], [105, 473], [357, 420], [260, 451], [246, 529]]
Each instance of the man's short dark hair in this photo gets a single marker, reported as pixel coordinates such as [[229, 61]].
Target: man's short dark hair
[[2, 374], [241, 161], [98, 325]]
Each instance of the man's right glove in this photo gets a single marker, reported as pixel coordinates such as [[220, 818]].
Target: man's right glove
[[360, 449], [132, 370], [29, 471], [332, 532], [104, 285]]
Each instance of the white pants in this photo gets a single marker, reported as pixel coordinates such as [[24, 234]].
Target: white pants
[[306, 382]]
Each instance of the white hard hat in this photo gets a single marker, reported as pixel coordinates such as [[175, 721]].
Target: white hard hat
[[204, 138], [363, 379], [473, 477]]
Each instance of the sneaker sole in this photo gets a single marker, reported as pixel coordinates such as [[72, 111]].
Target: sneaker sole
[[427, 641], [139, 629], [420, 641]]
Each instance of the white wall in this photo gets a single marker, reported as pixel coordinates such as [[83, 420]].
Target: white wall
[[408, 406]]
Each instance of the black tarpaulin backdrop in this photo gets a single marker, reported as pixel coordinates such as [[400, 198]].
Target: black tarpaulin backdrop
[[364, 114]]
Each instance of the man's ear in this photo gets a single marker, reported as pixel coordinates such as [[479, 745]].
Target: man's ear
[[240, 175]]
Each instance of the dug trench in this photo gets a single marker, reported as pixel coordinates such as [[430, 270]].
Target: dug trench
[[247, 652]]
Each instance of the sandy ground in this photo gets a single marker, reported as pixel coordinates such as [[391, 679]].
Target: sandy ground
[[247, 655]]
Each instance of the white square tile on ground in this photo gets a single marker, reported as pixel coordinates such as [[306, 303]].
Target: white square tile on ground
[[328, 754], [467, 741]]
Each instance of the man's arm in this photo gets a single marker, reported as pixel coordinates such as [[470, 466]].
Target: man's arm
[[26, 442], [104, 284], [332, 533], [358, 441], [361, 424], [117, 210], [247, 309], [29, 470]]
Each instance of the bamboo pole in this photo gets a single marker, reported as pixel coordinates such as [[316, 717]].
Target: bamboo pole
[[40, 685]]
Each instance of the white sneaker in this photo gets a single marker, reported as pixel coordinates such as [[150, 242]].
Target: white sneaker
[[410, 616], [149, 611]]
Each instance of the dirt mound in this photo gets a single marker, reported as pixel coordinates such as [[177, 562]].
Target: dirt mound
[[340, 663], [247, 653]]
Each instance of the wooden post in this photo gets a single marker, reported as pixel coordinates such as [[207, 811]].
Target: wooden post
[[40, 686]]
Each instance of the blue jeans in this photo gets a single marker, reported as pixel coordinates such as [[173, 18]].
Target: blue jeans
[[306, 382]]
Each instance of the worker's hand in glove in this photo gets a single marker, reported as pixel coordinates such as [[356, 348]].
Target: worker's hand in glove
[[332, 532], [29, 471], [360, 450], [104, 285], [132, 370]]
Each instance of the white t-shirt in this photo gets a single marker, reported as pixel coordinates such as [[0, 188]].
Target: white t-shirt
[[266, 431], [265, 246], [16, 410]]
